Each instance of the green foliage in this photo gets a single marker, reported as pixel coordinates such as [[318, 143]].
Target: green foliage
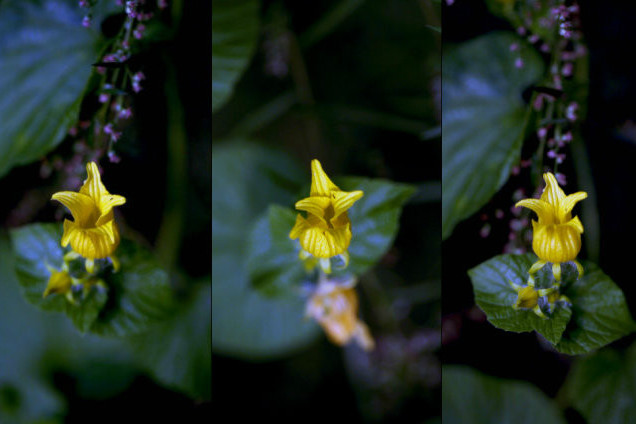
[[469, 397], [178, 351], [374, 219], [601, 386], [45, 63], [483, 122], [598, 316], [273, 263], [34, 342], [246, 179], [495, 297], [138, 295], [235, 27]]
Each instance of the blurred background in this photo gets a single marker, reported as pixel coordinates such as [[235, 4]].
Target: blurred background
[[49, 372], [607, 131], [355, 84]]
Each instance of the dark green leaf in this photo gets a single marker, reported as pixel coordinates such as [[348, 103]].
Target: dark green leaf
[[234, 34], [45, 62], [35, 343], [137, 296], [246, 178], [469, 397], [495, 296], [599, 313], [273, 263], [483, 120], [601, 386], [374, 218], [178, 352]]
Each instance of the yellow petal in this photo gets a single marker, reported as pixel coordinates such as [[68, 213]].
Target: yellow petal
[[93, 186], [69, 228], [557, 243], [544, 211], [567, 204], [552, 192], [59, 282], [325, 243], [343, 200], [82, 207], [314, 205], [527, 298], [576, 224], [321, 185], [106, 205], [300, 227], [95, 243]]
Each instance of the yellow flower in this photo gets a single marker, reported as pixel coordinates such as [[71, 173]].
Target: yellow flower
[[59, 282], [335, 307], [556, 235], [93, 233], [326, 232], [527, 298]]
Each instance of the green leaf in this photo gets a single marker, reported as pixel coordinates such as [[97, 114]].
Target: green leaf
[[599, 313], [138, 295], [33, 344], [483, 120], [495, 296], [469, 397], [235, 26], [45, 62], [601, 386], [374, 219], [273, 264], [246, 179], [178, 352]]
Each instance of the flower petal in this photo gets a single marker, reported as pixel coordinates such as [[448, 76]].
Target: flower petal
[[343, 200], [106, 205], [552, 193], [576, 224], [325, 243], [544, 211], [321, 185], [300, 226], [93, 186], [314, 205], [82, 207], [94, 243], [567, 204]]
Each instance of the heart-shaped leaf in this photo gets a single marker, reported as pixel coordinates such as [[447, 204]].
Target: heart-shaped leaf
[[483, 120], [137, 296], [45, 63]]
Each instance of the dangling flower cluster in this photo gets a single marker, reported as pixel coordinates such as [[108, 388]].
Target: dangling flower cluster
[[334, 305], [326, 232], [93, 234], [118, 80], [556, 240]]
